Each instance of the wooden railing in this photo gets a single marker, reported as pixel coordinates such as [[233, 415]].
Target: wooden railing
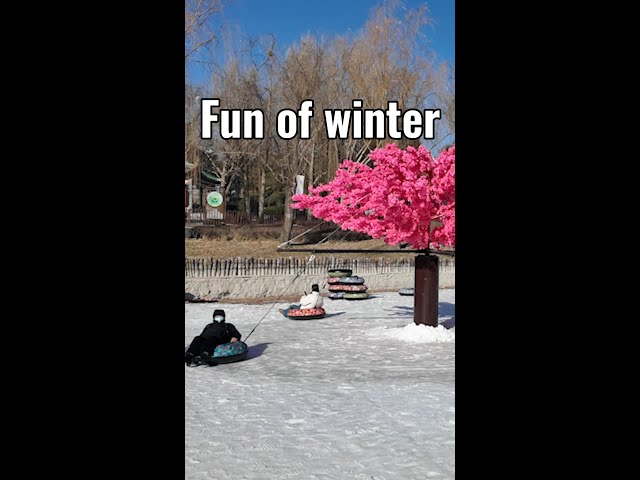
[[211, 267]]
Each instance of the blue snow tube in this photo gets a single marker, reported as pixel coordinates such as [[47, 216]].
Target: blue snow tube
[[230, 352], [352, 280], [406, 291]]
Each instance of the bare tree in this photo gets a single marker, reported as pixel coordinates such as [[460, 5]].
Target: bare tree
[[230, 159], [266, 64], [192, 153], [444, 97], [389, 60], [303, 75], [199, 32], [198, 29]]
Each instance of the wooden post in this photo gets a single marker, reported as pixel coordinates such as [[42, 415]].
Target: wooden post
[[426, 291]]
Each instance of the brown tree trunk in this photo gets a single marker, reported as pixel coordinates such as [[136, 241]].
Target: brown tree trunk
[[287, 225], [310, 177], [247, 197], [261, 191], [426, 291]]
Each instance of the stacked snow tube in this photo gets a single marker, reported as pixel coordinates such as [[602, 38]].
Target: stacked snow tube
[[406, 291], [230, 352], [342, 284], [306, 313]]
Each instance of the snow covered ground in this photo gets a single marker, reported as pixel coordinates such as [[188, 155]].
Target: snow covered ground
[[363, 393]]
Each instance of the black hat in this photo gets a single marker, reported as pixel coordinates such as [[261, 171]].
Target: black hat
[[315, 287], [219, 313]]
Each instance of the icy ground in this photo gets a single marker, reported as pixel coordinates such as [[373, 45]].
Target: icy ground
[[360, 394]]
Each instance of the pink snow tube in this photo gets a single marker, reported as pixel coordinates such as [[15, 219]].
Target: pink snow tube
[[306, 313], [348, 288]]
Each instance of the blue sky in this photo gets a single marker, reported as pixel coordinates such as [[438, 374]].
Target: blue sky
[[288, 20]]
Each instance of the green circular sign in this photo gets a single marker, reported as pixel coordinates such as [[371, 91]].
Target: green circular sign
[[214, 199]]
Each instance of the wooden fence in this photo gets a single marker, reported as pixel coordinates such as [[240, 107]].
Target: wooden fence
[[210, 267], [236, 217]]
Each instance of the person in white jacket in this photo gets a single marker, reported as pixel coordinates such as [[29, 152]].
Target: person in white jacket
[[313, 300]]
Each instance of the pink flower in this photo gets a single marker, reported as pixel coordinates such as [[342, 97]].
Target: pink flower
[[408, 196]]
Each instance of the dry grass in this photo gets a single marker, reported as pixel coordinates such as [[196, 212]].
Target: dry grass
[[266, 248]]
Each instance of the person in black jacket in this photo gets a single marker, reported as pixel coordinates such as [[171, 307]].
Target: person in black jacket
[[214, 334]]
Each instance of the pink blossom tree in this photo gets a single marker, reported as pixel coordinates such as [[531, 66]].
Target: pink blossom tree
[[407, 196]]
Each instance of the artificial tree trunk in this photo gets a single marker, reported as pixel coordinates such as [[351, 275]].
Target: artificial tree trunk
[[425, 296]]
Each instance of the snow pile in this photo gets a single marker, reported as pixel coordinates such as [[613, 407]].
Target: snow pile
[[413, 333]]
